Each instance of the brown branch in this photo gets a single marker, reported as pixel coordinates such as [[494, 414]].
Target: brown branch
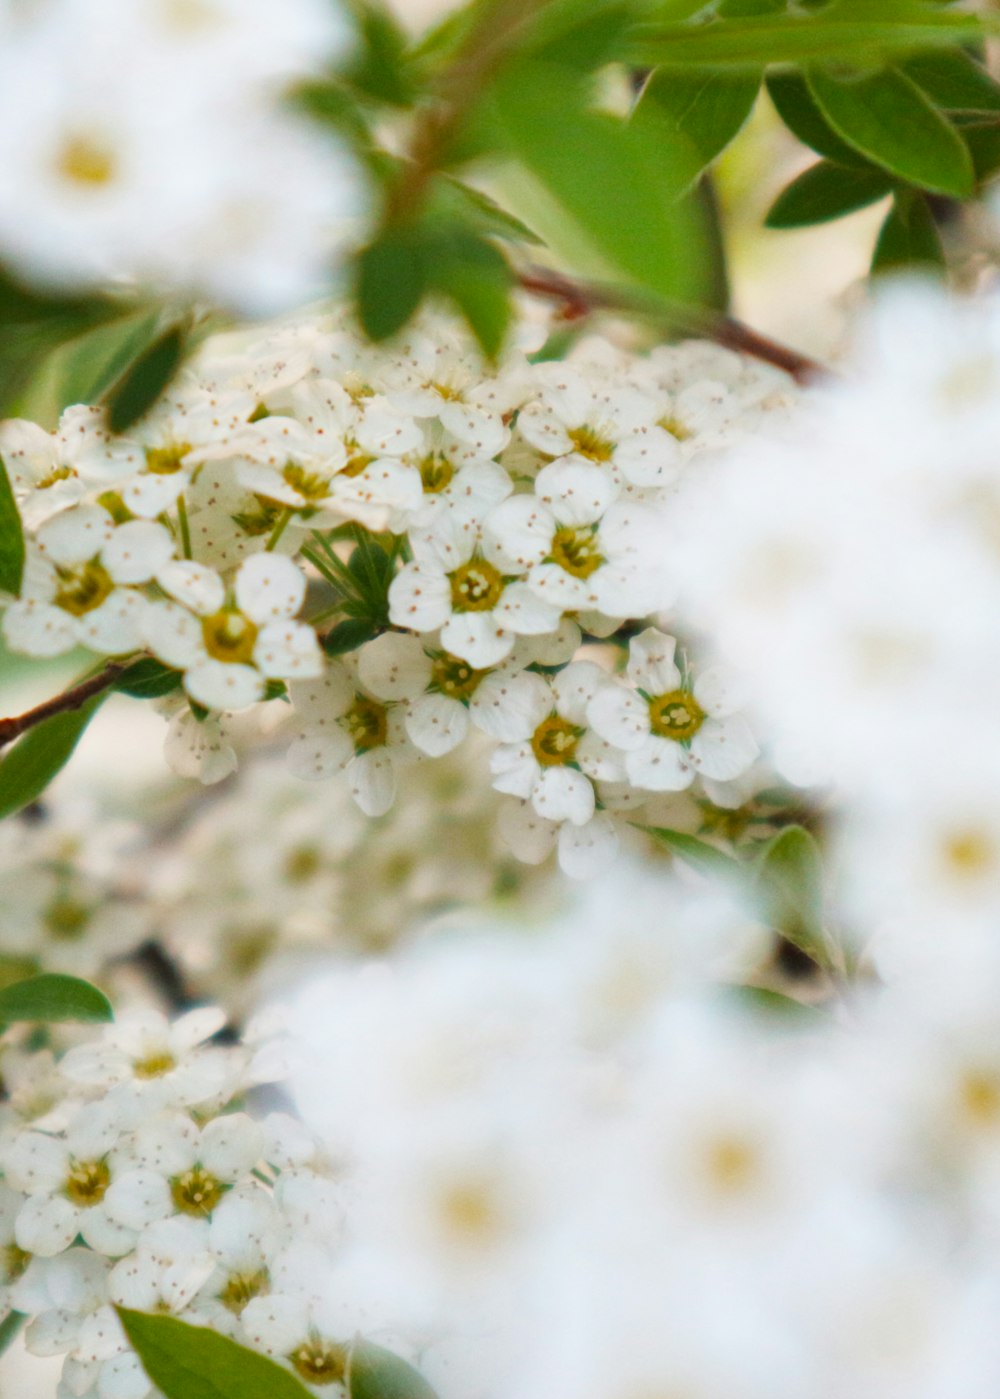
[[69, 700], [581, 299]]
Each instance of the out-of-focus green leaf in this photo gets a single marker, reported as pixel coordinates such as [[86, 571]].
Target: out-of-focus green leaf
[[11, 538], [382, 69], [706, 108], [82, 370], [982, 139], [392, 277], [699, 854], [51, 998], [844, 31], [618, 183], [826, 191], [776, 1005], [330, 103], [574, 35], [909, 237], [34, 760], [954, 80], [148, 679], [890, 120], [797, 108], [789, 892], [144, 380], [194, 1362], [374, 1373], [478, 279], [348, 635], [451, 201]]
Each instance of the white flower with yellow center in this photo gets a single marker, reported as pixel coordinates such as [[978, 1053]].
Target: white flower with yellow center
[[668, 729], [583, 851], [68, 1179], [80, 584], [452, 586], [340, 727], [229, 647], [50, 471], [555, 757], [432, 378], [576, 415], [582, 550]]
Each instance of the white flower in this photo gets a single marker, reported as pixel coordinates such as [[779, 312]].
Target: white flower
[[341, 728], [228, 650], [454, 587], [433, 379], [669, 729], [584, 551], [80, 583]]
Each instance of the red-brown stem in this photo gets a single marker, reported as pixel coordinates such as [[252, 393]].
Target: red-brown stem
[[69, 700]]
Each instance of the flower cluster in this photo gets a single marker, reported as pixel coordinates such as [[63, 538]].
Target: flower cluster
[[133, 1177], [489, 536], [218, 187]]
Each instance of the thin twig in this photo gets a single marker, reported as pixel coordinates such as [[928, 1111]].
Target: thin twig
[[581, 299], [69, 700]]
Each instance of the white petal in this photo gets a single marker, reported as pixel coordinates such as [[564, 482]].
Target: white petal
[[394, 667], [373, 781], [200, 588], [150, 494], [588, 850], [724, 748], [269, 586], [173, 634], [137, 551], [651, 662], [276, 1324], [138, 1198], [563, 794], [518, 533], [577, 492], [515, 769], [477, 638], [117, 626], [721, 690], [123, 1377], [437, 724], [573, 687], [224, 684], [104, 1234], [660, 765], [231, 1145], [288, 650], [619, 715], [316, 756], [420, 597], [523, 612], [510, 706], [36, 629], [46, 1225], [75, 536], [529, 836]]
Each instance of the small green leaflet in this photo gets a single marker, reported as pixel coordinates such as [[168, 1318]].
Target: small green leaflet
[[34, 760], [193, 1362], [391, 281], [827, 191], [374, 1373], [348, 635], [952, 79], [50, 998], [708, 108], [890, 120], [85, 368], [798, 110], [9, 1329], [147, 679], [11, 538], [138, 388], [909, 236], [789, 892], [699, 854]]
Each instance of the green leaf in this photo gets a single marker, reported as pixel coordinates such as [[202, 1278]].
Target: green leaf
[[142, 383], [891, 121], [826, 191], [954, 80], [148, 679], [194, 1362], [9, 1328], [391, 281], [35, 759], [707, 109], [982, 139], [478, 279], [86, 367], [348, 635], [51, 998], [775, 1004], [617, 183], [789, 892], [842, 32], [382, 70], [798, 110], [909, 236], [11, 538], [374, 1373], [699, 854], [451, 201]]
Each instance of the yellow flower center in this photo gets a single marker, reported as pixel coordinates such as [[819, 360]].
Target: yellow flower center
[[455, 677], [87, 1183], [82, 589], [676, 715], [67, 918], [436, 472], [980, 1097], [554, 742], [367, 722], [229, 636], [242, 1288], [58, 473], [112, 502], [676, 428], [13, 1262], [165, 461], [969, 854], [320, 1362], [311, 485], [476, 587], [197, 1191], [302, 864], [469, 1211], [154, 1065], [732, 1164], [86, 161], [449, 394], [357, 460], [577, 551], [590, 444], [259, 520]]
